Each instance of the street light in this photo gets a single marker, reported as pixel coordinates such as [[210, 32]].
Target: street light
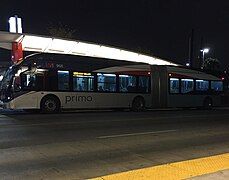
[[205, 50], [187, 64]]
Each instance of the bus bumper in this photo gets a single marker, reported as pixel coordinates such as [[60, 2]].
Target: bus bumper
[[2, 105], [8, 105]]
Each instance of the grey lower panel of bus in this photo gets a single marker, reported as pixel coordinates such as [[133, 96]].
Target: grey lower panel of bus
[[191, 100], [79, 100]]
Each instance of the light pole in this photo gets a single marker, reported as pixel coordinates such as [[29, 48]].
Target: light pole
[[205, 50]]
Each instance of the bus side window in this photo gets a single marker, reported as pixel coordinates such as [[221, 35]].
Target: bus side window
[[202, 85], [127, 83], [187, 85], [63, 80], [83, 81], [100, 88], [217, 86], [143, 84], [106, 82], [174, 85]]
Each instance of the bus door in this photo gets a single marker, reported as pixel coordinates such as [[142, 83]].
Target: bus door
[[50, 78], [30, 83], [40, 83], [159, 86]]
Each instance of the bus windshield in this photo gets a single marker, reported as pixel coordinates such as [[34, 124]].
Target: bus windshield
[[6, 84], [7, 78]]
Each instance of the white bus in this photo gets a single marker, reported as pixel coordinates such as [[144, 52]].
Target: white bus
[[52, 82]]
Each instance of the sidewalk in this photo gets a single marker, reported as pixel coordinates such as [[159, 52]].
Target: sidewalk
[[200, 168], [220, 175]]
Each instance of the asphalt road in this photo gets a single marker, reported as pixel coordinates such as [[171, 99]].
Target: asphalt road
[[84, 145]]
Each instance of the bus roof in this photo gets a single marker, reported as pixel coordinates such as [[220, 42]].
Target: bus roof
[[47, 44], [127, 68], [190, 73], [175, 71]]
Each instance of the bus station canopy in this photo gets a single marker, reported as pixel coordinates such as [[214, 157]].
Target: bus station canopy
[[46, 44]]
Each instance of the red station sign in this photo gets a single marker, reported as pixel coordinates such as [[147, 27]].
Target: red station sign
[[17, 52]]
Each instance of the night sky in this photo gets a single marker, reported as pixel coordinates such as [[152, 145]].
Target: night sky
[[159, 27]]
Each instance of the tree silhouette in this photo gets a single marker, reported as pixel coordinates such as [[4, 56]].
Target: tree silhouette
[[211, 64]]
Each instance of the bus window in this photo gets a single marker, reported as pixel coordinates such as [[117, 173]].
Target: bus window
[[174, 85], [106, 82], [29, 81], [63, 80], [143, 84], [83, 81], [127, 83], [217, 85], [202, 85], [187, 85], [17, 83]]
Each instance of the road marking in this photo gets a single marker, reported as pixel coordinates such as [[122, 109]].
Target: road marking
[[136, 134], [177, 170]]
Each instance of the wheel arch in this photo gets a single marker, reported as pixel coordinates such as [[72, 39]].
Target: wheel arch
[[208, 99], [52, 96], [135, 99], [138, 96]]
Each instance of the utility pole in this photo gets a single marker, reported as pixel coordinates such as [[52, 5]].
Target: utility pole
[[190, 49], [200, 63]]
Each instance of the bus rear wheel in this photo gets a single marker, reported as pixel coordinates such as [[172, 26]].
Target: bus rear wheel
[[138, 104], [207, 104], [50, 104]]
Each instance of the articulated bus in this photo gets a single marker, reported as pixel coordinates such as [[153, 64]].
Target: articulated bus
[[43, 82]]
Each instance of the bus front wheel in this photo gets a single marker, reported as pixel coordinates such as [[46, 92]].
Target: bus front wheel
[[50, 104], [138, 104]]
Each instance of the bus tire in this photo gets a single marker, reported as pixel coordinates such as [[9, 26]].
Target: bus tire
[[207, 103], [50, 104], [138, 104]]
